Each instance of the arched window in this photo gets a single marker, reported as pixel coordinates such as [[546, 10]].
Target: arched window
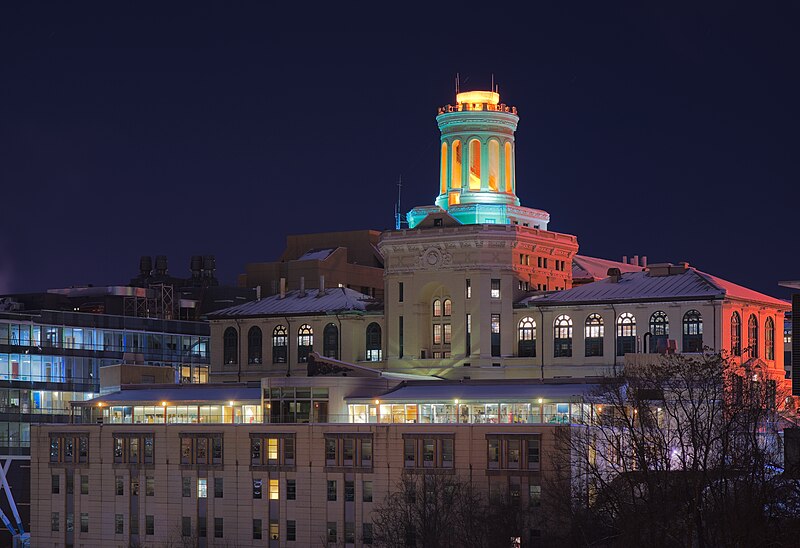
[[659, 332], [526, 347], [752, 336], [494, 164], [455, 172], [474, 165], [437, 308], [447, 307], [330, 341], [593, 335], [692, 331], [254, 345], [443, 176], [769, 339], [562, 337], [305, 342], [280, 344], [626, 334], [230, 346], [736, 334], [509, 169], [374, 353]]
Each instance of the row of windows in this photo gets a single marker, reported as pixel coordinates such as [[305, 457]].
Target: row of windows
[[752, 337], [594, 332], [305, 344], [476, 171]]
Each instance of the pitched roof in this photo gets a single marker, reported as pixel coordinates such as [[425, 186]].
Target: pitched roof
[[337, 299], [690, 284]]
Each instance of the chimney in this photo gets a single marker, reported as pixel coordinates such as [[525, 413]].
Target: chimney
[[321, 285], [274, 287], [614, 275], [302, 286], [625, 259], [196, 266], [258, 292], [145, 266], [644, 261], [161, 265], [283, 288], [635, 260]]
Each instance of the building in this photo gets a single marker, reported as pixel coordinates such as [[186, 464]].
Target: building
[[54, 344], [490, 331]]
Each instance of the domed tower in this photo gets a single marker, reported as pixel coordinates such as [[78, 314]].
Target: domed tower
[[477, 175]]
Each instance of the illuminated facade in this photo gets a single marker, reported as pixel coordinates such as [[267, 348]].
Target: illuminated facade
[[479, 352]]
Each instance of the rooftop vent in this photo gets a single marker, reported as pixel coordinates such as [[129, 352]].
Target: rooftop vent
[[614, 274]]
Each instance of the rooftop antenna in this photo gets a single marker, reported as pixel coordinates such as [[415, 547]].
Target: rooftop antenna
[[397, 218], [457, 83], [492, 88]]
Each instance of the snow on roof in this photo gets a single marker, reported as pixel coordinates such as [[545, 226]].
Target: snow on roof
[[444, 391], [641, 286], [584, 267], [337, 299], [316, 254]]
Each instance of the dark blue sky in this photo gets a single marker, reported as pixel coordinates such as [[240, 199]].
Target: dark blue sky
[[671, 134]]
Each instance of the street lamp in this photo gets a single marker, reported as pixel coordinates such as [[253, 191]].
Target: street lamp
[[164, 405]]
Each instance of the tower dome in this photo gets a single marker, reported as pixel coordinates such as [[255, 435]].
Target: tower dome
[[477, 176]]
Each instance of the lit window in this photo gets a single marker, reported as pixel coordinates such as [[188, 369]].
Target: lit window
[[495, 291], [202, 488], [447, 307], [659, 332], [280, 343], [474, 165], [272, 449], [437, 308], [495, 335], [562, 337], [274, 489], [593, 335], [752, 336], [626, 334], [692, 331], [769, 339], [374, 353], [527, 338], [305, 342]]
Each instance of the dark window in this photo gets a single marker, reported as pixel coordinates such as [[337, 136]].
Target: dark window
[[400, 292], [54, 521], [186, 526], [736, 334], [495, 334], [349, 491], [149, 486], [400, 336], [366, 491], [280, 344], [659, 332], [527, 338], [254, 340], [119, 524], [201, 527], [374, 342], [149, 525], [752, 336], [119, 486], [593, 335], [331, 490], [330, 341], [218, 488], [218, 528], [291, 530], [769, 339], [230, 346], [291, 489], [186, 487], [562, 337], [257, 529], [692, 331], [366, 533], [55, 484], [305, 342], [331, 529], [626, 334]]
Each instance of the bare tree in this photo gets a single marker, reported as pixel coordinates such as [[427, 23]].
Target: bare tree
[[682, 451]]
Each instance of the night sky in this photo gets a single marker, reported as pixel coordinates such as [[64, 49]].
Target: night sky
[[142, 131]]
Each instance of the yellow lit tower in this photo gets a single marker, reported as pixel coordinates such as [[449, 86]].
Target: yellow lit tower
[[477, 176]]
